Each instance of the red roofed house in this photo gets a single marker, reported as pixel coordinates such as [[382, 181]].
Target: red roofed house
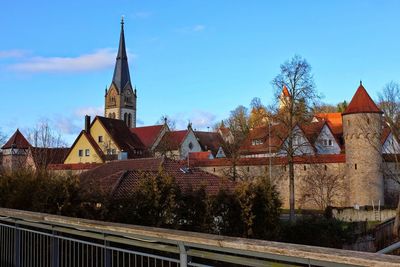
[[150, 135], [178, 144], [18, 153], [346, 145]]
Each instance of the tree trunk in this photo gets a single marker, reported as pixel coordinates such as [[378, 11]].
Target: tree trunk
[[291, 189]]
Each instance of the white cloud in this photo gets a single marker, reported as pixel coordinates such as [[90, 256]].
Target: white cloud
[[91, 111], [14, 53], [100, 59], [200, 119]]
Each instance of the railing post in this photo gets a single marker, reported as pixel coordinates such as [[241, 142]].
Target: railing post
[[183, 255], [55, 252], [17, 246], [107, 253]]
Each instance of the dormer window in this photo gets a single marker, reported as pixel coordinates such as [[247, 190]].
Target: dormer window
[[327, 142], [256, 142]]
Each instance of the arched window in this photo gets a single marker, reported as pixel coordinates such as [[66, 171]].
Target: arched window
[[129, 120]]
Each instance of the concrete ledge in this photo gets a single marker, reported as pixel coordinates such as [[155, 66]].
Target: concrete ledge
[[199, 240]]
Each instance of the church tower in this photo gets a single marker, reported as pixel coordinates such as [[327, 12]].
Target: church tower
[[362, 127], [120, 98]]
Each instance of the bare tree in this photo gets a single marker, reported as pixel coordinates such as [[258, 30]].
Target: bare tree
[[238, 125], [47, 144], [168, 120], [321, 188], [389, 103], [296, 77]]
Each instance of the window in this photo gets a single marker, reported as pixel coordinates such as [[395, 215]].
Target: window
[[330, 142], [87, 152], [368, 120], [190, 145], [214, 170], [108, 151], [256, 142], [355, 166], [80, 153], [327, 142], [248, 169], [305, 167], [100, 139], [113, 152], [348, 122], [325, 167]]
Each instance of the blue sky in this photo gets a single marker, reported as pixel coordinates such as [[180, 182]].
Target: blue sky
[[191, 60]]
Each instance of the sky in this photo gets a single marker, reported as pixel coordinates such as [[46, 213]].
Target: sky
[[191, 60]]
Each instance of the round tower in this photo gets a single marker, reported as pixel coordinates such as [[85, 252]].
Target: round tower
[[362, 126]]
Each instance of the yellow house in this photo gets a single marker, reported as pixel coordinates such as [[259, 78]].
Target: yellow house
[[103, 140]]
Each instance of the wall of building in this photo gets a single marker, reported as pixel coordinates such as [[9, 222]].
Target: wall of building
[[362, 135], [321, 146], [185, 149], [82, 144]]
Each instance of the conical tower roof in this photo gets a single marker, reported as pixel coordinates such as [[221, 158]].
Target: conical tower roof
[[17, 140], [121, 75], [361, 103]]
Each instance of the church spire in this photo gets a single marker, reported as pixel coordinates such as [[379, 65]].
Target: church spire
[[121, 75]]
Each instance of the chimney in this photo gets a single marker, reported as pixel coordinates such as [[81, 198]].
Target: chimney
[[87, 123]]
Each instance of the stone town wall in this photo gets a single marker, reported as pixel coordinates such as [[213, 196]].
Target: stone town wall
[[309, 178]]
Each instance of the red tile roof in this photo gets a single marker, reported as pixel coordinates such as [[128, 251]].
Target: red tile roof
[[45, 156], [278, 135], [200, 155], [209, 141], [121, 135], [285, 91], [74, 166], [173, 139], [221, 162], [148, 134], [361, 103], [335, 118], [119, 178], [17, 140]]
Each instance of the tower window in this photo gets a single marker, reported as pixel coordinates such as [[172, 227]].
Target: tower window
[[325, 167], [100, 139], [348, 122], [368, 120], [355, 166], [248, 169], [87, 152], [305, 167], [80, 152]]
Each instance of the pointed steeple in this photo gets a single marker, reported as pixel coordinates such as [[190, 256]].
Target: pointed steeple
[[361, 103], [121, 75]]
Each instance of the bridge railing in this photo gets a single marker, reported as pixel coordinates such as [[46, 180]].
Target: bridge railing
[[34, 239]]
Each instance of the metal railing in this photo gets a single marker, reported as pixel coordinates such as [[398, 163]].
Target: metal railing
[[34, 239]]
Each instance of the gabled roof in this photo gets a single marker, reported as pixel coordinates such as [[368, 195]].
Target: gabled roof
[[45, 156], [120, 134], [278, 135], [361, 103], [312, 130], [209, 141], [335, 118], [17, 140], [92, 142], [147, 134], [121, 77], [173, 139], [200, 155]]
